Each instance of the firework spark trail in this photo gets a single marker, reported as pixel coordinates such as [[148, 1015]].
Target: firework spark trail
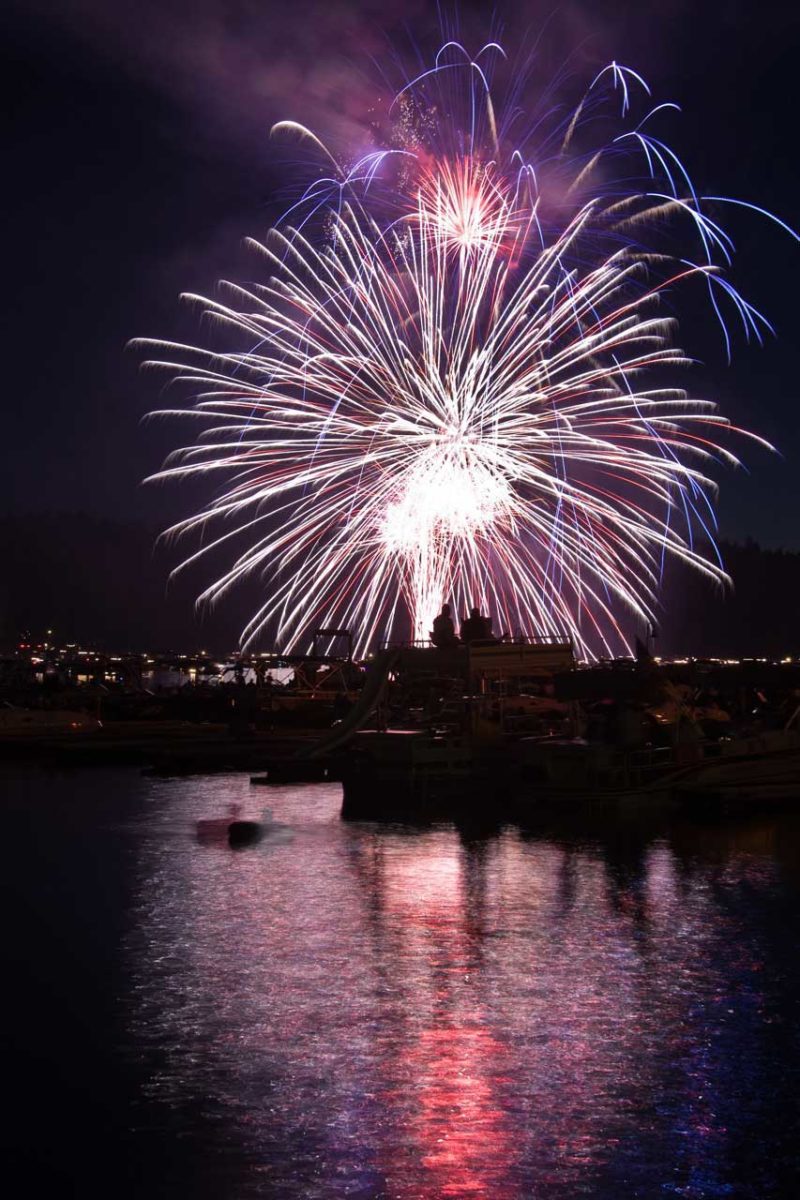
[[441, 400]]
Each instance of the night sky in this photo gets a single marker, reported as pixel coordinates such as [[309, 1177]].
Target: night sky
[[137, 157]]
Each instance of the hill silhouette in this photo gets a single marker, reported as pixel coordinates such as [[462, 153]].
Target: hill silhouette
[[105, 582]]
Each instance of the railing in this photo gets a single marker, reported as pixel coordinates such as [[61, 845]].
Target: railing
[[524, 639]]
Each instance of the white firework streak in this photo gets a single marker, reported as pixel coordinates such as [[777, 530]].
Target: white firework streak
[[442, 411]]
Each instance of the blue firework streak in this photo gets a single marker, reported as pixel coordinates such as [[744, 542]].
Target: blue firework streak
[[449, 384]]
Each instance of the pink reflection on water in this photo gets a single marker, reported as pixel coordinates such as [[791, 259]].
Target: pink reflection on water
[[448, 1080], [461, 1129], [376, 1008]]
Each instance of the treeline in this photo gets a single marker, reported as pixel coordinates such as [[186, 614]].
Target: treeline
[[104, 582], [101, 582], [759, 615]]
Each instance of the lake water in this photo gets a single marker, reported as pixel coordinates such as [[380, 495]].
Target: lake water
[[366, 1011]]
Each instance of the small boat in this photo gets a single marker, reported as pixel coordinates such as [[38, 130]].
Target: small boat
[[234, 829], [215, 829], [244, 833], [398, 772], [754, 768], [23, 722], [764, 772]]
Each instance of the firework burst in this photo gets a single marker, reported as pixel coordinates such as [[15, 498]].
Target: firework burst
[[450, 388]]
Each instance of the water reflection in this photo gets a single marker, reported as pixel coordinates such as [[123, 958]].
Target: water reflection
[[396, 1013]]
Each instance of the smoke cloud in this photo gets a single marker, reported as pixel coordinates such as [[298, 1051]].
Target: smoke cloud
[[236, 66]]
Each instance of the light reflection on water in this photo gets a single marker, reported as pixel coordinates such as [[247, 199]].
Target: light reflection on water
[[356, 1010]]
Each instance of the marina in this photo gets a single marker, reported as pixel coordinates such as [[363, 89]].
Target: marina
[[516, 727]]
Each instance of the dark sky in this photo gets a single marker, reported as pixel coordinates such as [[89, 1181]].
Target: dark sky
[[137, 156]]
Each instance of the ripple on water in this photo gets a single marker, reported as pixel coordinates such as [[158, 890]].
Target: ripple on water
[[359, 1010]]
